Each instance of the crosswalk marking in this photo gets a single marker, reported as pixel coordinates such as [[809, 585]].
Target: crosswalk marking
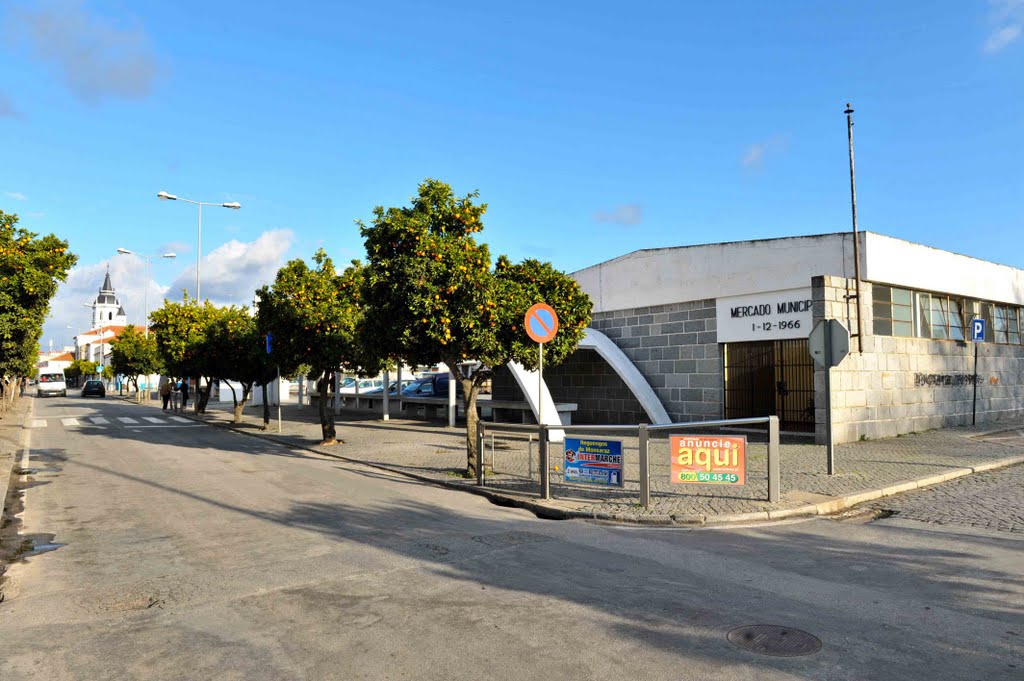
[[153, 419], [99, 420], [69, 422], [126, 419], [38, 423], [181, 419]]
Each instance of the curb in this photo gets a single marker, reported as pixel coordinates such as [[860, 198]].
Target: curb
[[547, 512]]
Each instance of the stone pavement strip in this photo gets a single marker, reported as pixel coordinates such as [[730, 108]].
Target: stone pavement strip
[[866, 471]]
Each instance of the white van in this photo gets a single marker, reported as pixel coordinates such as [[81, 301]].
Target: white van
[[52, 383]]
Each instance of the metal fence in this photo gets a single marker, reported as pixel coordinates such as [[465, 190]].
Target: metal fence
[[522, 454]]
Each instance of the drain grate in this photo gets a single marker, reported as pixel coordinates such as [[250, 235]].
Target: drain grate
[[772, 639]]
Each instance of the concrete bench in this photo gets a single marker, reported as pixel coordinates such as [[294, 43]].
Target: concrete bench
[[505, 411]]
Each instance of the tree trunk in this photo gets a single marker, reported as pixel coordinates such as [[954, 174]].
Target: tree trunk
[[266, 407], [330, 435], [470, 389], [240, 404], [202, 396]]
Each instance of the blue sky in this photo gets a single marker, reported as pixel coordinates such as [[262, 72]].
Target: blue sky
[[592, 129]]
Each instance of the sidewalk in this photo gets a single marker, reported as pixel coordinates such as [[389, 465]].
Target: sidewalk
[[11, 430], [428, 450]]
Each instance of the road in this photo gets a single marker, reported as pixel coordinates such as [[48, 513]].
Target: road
[[189, 552]]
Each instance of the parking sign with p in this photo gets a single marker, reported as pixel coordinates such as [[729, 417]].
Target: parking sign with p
[[978, 330]]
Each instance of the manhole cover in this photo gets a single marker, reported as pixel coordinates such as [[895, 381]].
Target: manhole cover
[[771, 639]]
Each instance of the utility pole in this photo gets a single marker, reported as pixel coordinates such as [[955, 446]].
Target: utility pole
[[856, 238]]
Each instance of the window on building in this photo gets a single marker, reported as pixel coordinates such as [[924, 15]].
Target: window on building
[[893, 310], [940, 317], [1013, 320], [956, 319]]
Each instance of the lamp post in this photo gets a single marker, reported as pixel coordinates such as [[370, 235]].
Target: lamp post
[[234, 205], [145, 295]]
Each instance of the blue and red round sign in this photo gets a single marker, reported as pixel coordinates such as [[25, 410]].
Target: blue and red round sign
[[541, 323]]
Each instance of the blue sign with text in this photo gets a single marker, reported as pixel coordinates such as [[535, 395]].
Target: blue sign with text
[[270, 341], [595, 462], [978, 330]]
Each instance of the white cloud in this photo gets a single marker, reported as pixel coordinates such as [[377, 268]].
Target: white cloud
[[1001, 37], [17, 196], [95, 57], [232, 272], [755, 154], [626, 215], [7, 108], [127, 276], [1007, 20]]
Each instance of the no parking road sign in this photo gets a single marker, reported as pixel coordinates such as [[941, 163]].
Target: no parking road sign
[[541, 323]]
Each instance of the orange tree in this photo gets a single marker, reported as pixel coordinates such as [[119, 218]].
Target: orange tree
[[180, 331], [312, 315], [133, 354], [432, 294], [30, 269], [238, 354]]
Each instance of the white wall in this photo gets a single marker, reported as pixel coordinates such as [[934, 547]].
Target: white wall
[[906, 264], [670, 275]]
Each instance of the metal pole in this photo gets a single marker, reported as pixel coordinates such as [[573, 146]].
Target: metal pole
[[974, 404], [856, 239], [384, 404], [540, 383], [480, 453], [279, 398], [529, 455], [645, 468], [145, 296], [545, 464], [829, 451], [199, 252], [774, 475]]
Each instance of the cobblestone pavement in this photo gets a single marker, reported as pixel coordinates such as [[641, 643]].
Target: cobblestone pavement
[[430, 449], [992, 500]]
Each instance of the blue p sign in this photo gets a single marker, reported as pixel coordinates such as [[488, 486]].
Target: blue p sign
[[978, 330]]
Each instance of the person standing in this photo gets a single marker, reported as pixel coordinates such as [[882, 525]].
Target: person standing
[[165, 393], [184, 393]]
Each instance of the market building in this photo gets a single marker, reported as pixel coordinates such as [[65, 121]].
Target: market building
[[720, 331]]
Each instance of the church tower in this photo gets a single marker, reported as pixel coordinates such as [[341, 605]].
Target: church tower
[[106, 310]]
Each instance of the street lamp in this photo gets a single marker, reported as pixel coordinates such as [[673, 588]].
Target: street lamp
[[234, 205], [125, 251]]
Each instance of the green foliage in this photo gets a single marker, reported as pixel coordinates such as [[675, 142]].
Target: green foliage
[[179, 330], [313, 315], [80, 367], [109, 373], [30, 269], [132, 354], [431, 293]]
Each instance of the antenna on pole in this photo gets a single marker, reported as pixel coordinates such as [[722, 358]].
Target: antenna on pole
[[856, 237]]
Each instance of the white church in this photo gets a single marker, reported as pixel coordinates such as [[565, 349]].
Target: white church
[[108, 321]]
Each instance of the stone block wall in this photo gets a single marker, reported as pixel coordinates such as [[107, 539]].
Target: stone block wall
[[904, 385], [675, 348]]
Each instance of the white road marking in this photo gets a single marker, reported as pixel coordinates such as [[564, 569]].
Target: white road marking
[[166, 425], [69, 422], [38, 423], [180, 419], [153, 419], [99, 420], [126, 419]]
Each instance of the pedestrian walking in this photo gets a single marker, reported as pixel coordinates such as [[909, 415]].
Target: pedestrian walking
[[184, 393], [21, 389], [165, 393]]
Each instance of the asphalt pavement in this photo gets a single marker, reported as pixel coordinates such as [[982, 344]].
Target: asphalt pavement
[[174, 550]]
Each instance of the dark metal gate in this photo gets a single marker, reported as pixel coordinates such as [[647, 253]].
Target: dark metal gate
[[770, 378]]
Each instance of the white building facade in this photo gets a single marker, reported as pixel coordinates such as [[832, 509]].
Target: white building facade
[[720, 331]]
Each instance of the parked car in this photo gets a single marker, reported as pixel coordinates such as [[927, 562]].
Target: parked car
[[94, 388], [392, 389], [431, 385], [348, 386], [52, 384]]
